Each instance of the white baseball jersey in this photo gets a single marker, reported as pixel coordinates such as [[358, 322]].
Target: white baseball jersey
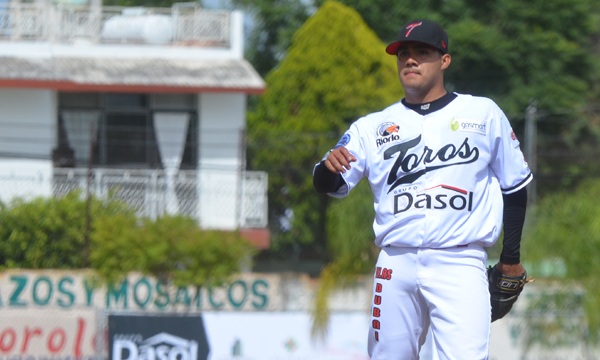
[[437, 179]]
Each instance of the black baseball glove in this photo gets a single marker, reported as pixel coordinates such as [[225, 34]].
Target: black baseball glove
[[504, 291]]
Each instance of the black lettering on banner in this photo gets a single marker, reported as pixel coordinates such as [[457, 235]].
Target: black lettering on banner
[[408, 162], [377, 300], [378, 287]]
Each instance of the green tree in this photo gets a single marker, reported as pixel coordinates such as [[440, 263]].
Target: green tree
[[171, 248], [510, 50], [565, 226], [350, 241], [274, 24], [335, 71], [513, 52], [49, 233]]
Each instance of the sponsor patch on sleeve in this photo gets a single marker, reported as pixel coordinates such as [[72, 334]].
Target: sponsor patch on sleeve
[[513, 137], [343, 141], [475, 126]]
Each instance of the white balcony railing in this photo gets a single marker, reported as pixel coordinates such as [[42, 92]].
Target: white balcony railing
[[182, 24], [153, 193]]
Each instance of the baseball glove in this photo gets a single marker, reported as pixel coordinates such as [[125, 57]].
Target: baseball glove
[[504, 291]]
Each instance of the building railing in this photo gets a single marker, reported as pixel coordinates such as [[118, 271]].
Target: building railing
[[182, 24], [153, 193]]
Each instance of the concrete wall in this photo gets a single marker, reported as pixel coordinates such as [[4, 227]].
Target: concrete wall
[[222, 120]]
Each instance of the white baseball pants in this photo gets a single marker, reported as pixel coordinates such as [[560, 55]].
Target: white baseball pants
[[446, 289]]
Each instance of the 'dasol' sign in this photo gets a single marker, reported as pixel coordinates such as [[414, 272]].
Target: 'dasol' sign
[[20, 289]]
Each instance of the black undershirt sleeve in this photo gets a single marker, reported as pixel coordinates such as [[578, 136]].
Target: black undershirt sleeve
[[513, 218], [325, 181]]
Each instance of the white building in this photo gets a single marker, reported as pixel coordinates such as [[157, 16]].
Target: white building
[[152, 100]]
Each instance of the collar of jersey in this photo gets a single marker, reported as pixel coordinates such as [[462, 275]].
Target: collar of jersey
[[435, 105]]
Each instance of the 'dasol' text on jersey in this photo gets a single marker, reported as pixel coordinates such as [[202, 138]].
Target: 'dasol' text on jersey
[[437, 179]]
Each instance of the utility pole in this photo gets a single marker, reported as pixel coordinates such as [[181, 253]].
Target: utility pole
[[531, 147], [88, 201]]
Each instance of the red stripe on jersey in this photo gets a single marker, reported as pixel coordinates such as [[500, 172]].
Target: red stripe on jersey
[[449, 188]]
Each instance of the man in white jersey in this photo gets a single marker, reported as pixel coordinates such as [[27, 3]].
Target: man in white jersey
[[446, 172]]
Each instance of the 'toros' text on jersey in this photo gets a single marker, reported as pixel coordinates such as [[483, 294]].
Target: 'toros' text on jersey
[[407, 162]]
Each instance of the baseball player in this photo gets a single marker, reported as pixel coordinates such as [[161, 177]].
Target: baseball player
[[446, 172]]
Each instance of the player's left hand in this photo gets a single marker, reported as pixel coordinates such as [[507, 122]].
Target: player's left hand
[[506, 283], [510, 269]]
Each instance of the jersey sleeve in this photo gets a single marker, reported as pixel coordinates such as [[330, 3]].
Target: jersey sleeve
[[507, 162], [352, 141]]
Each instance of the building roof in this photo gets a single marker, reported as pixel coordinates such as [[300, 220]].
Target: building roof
[[130, 74]]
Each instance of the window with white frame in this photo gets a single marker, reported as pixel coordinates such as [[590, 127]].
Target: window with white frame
[[126, 130]]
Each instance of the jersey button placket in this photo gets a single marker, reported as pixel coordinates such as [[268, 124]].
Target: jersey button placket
[[427, 141]]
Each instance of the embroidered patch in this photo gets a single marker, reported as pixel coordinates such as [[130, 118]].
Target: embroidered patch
[[387, 128], [387, 132], [515, 140], [475, 126], [343, 141]]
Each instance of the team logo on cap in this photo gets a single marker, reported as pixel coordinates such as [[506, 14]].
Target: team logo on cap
[[387, 132], [411, 27]]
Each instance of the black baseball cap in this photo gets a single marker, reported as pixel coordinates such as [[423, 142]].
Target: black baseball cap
[[423, 31]]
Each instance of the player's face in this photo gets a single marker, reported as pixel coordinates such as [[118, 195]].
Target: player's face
[[421, 68]]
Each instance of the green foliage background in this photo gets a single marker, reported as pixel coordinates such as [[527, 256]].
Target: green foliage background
[[350, 234], [171, 248], [334, 72], [49, 233], [566, 226], [509, 50]]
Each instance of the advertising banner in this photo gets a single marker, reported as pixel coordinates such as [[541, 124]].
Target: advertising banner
[[74, 289], [37, 334], [285, 336], [157, 337]]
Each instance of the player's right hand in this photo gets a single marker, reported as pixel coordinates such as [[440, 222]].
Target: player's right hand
[[338, 160]]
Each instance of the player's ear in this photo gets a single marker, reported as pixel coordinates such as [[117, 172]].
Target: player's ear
[[446, 60]]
